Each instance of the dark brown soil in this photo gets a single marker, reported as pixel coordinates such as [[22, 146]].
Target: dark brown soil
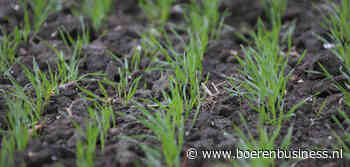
[[218, 114]]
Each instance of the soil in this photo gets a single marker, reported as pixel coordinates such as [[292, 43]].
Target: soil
[[219, 112]]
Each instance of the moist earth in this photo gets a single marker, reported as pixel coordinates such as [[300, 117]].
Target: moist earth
[[219, 111]]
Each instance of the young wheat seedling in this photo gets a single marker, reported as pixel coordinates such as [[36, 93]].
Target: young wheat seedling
[[263, 70], [42, 86], [168, 126], [86, 150], [187, 66], [205, 21], [157, 11], [126, 87], [67, 72], [265, 141], [97, 11], [103, 118], [19, 120], [8, 49], [82, 39], [7, 151], [17, 136], [41, 10], [275, 9], [337, 23]]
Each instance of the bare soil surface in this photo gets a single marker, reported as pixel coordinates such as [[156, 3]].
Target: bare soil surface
[[218, 113]]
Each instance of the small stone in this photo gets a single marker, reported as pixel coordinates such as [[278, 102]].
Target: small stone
[[328, 46], [54, 158]]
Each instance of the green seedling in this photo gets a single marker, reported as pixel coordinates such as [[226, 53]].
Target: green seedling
[[187, 66], [343, 138], [266, 140], [275, 9], [104, 117], [86, 147], [157, 11], [199, 25], [17, 135], [38, 11], [19, 122], [8, 49], [68, 71], [184, 91], [211, 13], [154, 46], [82, 39], [167, 123], [43, 88], [192, 68], [91, 96], [337, 23], [97, 11], [205, 20], [126, 87], [7, 151], [136, 60], [263, 70]]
